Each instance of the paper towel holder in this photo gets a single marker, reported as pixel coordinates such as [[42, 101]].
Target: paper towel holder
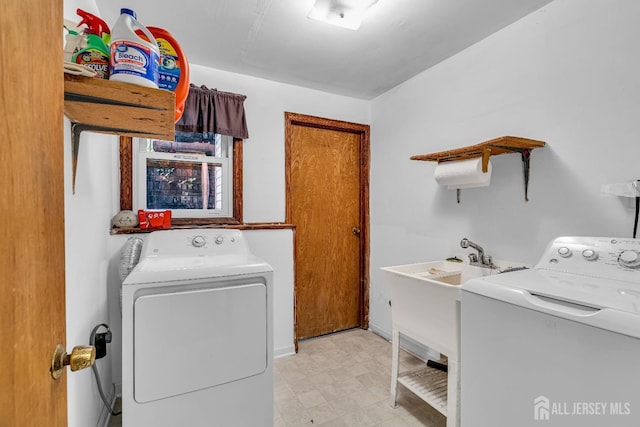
[[493, 147]]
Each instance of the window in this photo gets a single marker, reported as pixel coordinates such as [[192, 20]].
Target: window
[[145, 164], [194, 180], [200, 182]]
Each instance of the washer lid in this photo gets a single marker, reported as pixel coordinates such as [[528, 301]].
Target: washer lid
[[586, 291]]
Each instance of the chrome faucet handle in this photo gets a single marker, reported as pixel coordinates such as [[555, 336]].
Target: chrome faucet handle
[[473, 258], [487, 260]]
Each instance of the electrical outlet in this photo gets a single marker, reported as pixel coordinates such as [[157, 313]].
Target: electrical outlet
[[101, 342], [101, 345]]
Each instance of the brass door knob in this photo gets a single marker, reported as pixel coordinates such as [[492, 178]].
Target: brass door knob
[[81, 357]]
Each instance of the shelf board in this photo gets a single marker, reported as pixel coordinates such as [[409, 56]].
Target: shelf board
[[502, 145], [429, 384], [119, 108]]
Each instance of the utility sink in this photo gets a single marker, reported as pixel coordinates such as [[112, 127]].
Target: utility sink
[[425, 306], [425, 298]]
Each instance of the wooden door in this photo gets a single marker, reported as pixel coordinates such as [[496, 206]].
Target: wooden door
[[327, 174], [32, 301]]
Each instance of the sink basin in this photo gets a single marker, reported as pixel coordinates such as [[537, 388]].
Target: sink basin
[[425, 301], [452, 273]]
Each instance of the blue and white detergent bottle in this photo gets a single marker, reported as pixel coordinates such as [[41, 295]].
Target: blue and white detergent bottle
[[133, 59]]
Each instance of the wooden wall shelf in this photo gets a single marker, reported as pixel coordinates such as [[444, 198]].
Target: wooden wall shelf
[[493, 147], [116, 108], [502, 145]]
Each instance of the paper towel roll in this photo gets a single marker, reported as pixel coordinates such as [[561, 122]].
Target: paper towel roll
[[463, 174]]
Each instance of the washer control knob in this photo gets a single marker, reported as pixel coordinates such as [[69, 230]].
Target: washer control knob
[[629, 259], [198, 241], [564, 252], [590, 255], [219, 240]]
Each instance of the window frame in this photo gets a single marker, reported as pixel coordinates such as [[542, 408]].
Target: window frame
[[126, 186], [140, 181]]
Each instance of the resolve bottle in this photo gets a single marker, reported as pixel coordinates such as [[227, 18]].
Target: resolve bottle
[[135, 56], [94, 52]]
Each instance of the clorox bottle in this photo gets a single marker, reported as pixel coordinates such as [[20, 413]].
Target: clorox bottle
[[134, 59]]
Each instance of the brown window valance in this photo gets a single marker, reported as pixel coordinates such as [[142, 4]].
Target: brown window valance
[[209, 111]]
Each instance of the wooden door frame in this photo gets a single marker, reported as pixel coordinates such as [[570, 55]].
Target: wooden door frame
[[292, 119]]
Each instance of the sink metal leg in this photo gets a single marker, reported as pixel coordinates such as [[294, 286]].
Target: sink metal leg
[[395, 366]]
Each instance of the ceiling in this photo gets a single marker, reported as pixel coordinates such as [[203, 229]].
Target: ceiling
[[274, 39]]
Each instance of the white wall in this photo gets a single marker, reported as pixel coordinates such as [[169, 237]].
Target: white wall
[[567, 74], [87, 218], [276, 247]]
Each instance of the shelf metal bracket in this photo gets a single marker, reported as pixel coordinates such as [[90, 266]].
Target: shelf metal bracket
[[525, 153], [78, 128]]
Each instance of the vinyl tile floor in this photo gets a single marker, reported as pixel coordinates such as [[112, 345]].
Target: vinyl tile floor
[[343, 379]]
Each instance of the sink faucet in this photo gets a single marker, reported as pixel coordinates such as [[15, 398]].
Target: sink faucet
[[479, 259]]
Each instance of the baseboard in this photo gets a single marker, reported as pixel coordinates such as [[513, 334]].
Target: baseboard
[[379, 331], [284, 351], [415, 348]]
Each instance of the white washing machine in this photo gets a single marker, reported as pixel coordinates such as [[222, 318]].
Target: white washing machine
[[197, 333], [557, 345]]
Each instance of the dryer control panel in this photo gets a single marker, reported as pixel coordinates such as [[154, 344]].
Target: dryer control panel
[[195, 242], [605, 257]]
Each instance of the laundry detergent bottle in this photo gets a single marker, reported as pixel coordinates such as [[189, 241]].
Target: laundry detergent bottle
[[135, 56], [174, 68]]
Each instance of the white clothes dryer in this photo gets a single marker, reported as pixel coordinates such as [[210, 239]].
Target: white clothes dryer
[[197, 333]]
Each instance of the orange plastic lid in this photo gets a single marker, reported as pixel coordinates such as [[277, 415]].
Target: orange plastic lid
[[174, 68]]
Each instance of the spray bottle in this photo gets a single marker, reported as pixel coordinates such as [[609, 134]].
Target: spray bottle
[[73, 40], [96, 53]]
